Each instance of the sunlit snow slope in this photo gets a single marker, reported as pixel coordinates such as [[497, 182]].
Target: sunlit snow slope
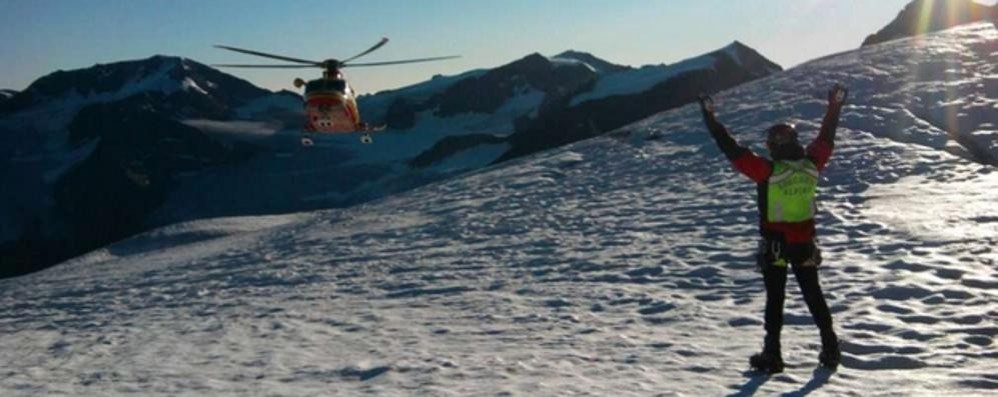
[[616, 266]]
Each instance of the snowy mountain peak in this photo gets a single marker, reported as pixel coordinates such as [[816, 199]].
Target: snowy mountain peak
[[114, 81], [6, 94], [736, 47], [532, 75], [601, 66], [747, 56], [734, 61], [925, 16]]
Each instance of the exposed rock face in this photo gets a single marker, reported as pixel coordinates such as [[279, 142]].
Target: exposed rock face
[[583, 96], [486, 92], [96, 176], [139, 154], [725, 68]]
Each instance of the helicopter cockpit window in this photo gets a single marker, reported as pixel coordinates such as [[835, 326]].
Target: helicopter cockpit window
[[326, 85]]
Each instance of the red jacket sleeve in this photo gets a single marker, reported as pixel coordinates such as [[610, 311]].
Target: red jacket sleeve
[[746, 162], [751, 165], [819, 151]]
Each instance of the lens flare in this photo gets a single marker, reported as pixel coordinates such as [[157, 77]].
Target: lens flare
[[925, 17]]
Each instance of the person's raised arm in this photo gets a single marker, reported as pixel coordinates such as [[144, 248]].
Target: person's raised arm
[[746, 162], [821, 149], [728, 146]]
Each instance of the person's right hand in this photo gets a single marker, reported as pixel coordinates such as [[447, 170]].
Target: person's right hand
[[837, 96], [706, 104]]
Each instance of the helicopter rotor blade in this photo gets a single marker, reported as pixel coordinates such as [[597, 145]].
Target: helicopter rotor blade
[[266, 55], [402, 61], [265, 66], [383, 41]]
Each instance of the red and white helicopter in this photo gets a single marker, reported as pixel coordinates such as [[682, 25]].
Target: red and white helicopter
[[330, 102]]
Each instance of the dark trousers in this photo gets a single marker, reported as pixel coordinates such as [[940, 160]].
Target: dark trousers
[[807, 278]]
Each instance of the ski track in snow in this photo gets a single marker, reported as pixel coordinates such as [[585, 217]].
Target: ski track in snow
[[620, 265]]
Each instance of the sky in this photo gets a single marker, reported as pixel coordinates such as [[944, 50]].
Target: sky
[[38, 37]]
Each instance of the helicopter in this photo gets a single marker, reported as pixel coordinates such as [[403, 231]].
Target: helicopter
[[330, 102]]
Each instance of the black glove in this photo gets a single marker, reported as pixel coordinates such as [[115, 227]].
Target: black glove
[[706, 104], [837, 96]]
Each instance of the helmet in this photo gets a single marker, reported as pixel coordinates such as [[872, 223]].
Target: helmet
[[782, 142], [781, 134]]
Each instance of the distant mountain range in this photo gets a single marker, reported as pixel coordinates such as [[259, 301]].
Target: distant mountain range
[[101, 153], [924, 16], [98, 154]]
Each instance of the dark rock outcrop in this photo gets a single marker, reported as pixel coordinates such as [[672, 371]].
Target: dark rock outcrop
[[561, 119], [486, 93], [139, 152], [126, 123], [448, 146], [731, 66]]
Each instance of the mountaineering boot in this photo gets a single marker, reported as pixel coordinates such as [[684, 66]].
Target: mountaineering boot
[[830, 354], [830, 358], [768, 362]]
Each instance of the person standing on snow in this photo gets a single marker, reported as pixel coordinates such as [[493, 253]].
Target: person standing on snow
[[787, 183]]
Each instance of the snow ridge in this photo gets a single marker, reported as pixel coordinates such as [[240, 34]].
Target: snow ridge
[[641, 79]]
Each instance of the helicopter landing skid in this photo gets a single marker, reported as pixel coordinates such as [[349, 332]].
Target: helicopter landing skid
[[365, 135], [367, 129]]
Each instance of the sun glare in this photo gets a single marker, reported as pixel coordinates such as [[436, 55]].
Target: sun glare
[[925, 17]]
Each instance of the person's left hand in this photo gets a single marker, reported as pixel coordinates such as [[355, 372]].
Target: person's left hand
[[837, 96], [706, 104]]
